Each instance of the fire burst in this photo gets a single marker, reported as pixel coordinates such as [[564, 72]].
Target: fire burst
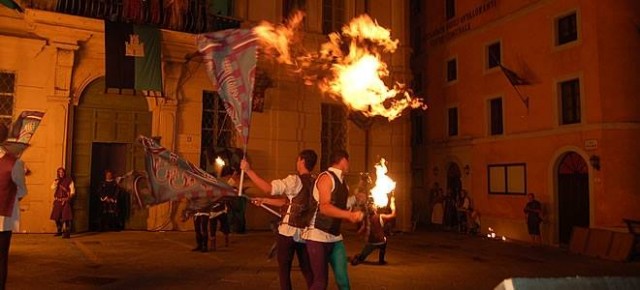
[[384, 185], [348, 67]]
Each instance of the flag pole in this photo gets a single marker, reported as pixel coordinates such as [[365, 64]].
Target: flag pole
[[524, 99], [244, 156], [271, 210]]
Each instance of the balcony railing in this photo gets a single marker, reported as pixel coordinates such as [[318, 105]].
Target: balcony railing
[[187, 16]]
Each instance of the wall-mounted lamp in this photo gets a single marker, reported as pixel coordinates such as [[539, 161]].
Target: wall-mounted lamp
[[436, 170], [467, 169], [595, 162]]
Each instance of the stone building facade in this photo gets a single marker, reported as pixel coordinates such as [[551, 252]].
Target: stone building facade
[[56, 63], [533, 97]]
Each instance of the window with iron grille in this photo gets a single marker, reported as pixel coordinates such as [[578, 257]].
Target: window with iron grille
[[450, 9], [453, 121], [493, 55], [567, 29], [334, 131], [333, 15], [452, 70], [495, 108], [7, 91], [570, 101], [217, 128]]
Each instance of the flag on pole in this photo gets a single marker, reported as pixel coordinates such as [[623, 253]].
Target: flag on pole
[[21, 132], [515, 80], [230, 57], [170, 177], [513, 77]]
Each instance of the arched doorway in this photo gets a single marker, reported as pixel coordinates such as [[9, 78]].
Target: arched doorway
[[573, 195], [105, 128], [454, 181]]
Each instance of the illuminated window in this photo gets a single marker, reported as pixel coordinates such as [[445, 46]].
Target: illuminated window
[[570, 102], [333, 15], [334, 131], [217, 128], [7, 91], [567, 29], [507, 178]]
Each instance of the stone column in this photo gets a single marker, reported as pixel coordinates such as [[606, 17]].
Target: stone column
[[58, 112], [164, 125]]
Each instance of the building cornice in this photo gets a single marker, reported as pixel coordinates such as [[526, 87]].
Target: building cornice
[[558, 131]]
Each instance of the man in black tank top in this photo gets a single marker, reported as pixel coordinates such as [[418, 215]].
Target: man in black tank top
[[324, 241], [297, 210]]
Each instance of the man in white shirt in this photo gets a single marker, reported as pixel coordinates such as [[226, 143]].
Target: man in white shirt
[[323, 237], [12, 190], [297, 209]]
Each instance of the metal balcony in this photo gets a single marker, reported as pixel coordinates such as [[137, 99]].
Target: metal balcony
[[192, 16]]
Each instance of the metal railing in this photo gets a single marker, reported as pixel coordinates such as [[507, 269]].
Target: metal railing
[[187, 16]]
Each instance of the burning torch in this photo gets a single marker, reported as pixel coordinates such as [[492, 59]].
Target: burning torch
[[384, 185]]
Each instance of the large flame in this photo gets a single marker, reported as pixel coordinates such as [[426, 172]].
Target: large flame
[[276, 40], [348, 67], [384, 185]]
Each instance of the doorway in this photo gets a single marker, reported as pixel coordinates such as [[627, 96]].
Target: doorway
[[112, 156], [105, 127], [454, 186], [573, 195]]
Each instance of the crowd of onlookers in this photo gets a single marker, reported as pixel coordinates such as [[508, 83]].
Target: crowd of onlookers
[[454, 210]]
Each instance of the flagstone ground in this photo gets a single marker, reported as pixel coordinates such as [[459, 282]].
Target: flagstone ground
[[164, 260]]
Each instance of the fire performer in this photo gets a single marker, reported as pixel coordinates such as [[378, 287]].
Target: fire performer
[[324, 241], [297, 208], [63, 192], [376, 231]]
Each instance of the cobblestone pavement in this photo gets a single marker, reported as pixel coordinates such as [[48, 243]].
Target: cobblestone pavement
[[164, 260]]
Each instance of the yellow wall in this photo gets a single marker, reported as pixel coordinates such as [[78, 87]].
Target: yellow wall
[[56, 56]]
